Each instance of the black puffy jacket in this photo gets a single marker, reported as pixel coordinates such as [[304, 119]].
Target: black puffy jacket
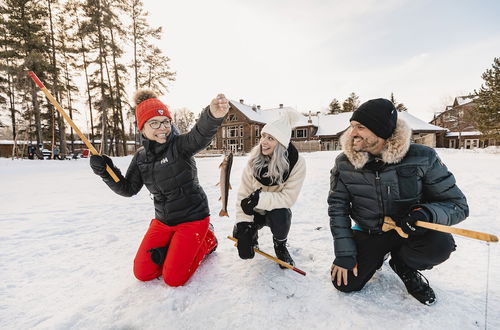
[[365, 189], [168, 171]]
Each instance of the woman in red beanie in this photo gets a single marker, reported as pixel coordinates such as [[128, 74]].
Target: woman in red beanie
[[180, 235]]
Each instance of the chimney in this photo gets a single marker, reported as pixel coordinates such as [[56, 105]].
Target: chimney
[[281, 105], [254, 108], [241, 101], [258, 107], [309, 121]]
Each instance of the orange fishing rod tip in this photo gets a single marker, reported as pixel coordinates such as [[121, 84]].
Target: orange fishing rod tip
[[36, 80]]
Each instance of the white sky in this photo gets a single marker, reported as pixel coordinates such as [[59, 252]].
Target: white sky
[[305, 53]]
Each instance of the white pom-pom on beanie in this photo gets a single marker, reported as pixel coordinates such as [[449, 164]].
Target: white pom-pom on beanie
[[281, 129]]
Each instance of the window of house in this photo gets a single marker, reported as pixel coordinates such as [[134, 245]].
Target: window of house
[[471, 143], [232, 117], [232, 144], [232, 131], [241, 130], [223, 132], [301, 133], [257, 131]]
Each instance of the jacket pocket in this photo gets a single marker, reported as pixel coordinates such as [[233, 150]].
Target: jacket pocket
[[408, 182]]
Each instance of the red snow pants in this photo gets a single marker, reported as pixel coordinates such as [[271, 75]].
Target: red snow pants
[[188, 243]]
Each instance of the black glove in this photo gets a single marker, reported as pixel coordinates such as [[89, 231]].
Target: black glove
[[407, 223], [158, 254], [248, 204], [98, 164], [246, 233], [346, 262]]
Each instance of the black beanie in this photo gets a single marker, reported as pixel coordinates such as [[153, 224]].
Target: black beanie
[[378, 115]]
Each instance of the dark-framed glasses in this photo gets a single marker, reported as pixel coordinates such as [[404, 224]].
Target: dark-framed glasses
[[155, 124]]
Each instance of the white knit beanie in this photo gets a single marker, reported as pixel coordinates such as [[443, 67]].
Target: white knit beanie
[[281, 129]]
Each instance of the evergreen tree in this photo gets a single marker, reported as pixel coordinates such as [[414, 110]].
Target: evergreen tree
[[351, 103], [68, 49], [399, 106], [487, 115], [151, 67], [334, 107], [23, 48]]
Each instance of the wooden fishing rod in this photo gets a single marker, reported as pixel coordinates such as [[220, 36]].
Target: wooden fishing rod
[[70, 121], [276, 260], [391, 224]]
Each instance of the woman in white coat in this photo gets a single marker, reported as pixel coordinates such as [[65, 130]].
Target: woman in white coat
[[270, 185]]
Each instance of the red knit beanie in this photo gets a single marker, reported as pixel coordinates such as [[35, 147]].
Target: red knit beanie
[[148, 106]]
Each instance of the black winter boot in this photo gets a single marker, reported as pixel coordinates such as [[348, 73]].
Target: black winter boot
[[416, 283], [282, 252], [246, 234]]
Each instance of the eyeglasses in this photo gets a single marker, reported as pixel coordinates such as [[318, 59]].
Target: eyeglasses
[[157, 124]]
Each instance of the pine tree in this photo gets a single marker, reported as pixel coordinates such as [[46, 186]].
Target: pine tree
[[334, 107], [351, 103], [487, 115], [151, 67], [68, 50], [24, 49], [399, 106]]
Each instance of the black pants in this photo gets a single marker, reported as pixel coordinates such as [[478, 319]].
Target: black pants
[[279, 220], [417, 252]]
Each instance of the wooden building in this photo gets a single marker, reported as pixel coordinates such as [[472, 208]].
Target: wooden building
[[457, 119]]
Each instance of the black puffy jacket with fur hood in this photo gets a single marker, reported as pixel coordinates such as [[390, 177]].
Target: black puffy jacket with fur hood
[[365, 188]]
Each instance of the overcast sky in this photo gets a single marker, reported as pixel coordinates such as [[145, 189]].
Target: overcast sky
[[305, 53]]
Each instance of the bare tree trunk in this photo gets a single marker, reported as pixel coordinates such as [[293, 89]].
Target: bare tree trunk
[[118, 98], [36, 110], [12, 104], [60, 122], [85, 66]]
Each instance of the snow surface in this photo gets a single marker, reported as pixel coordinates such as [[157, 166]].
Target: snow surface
[[68, 243]]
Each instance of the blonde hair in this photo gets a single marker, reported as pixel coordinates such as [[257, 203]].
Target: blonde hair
[[277, 163]]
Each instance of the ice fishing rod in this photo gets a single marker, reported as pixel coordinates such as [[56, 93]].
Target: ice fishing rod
[[268, 256], [70, 121], [391, 224]]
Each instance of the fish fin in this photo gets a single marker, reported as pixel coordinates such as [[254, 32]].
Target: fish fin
[[230, 187], [220, 198], [217, 184], [223, 213]]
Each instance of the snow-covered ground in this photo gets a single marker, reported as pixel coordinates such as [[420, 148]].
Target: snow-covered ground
[[68, 242]]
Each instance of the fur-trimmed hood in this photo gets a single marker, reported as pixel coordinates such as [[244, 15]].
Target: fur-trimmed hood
[[395, 148]]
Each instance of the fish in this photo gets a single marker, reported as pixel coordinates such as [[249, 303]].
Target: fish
[[224, 185]]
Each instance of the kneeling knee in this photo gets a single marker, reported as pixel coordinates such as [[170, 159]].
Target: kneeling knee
[[174, 280], [347, 288]]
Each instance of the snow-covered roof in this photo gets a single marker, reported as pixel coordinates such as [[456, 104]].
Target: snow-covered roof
[[265, 116], [461, 100], [335, 124], [418, 124], [472, 133]]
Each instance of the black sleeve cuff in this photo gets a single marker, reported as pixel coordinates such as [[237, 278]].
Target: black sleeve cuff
[[345, 262]]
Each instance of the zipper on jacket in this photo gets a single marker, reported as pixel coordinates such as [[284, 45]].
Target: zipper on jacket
[[379, 198], [153, 176]]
